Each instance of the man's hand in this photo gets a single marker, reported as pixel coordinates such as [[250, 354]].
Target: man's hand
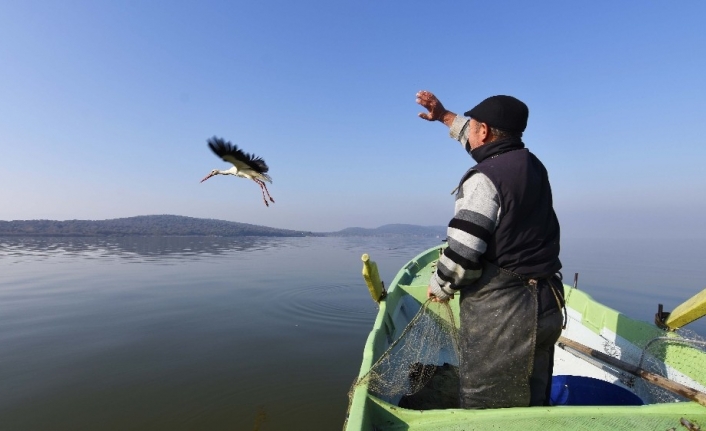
[[434, 298], [437, 112]]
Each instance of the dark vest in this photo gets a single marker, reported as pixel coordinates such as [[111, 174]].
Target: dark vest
[[526, 241]]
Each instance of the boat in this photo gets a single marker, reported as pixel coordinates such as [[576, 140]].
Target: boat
[[601, 375]]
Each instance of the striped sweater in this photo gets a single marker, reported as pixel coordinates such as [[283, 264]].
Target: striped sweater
[[476, 215]]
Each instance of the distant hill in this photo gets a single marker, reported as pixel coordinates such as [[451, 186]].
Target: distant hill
[[153, 225], [394, 229], [173, 225]]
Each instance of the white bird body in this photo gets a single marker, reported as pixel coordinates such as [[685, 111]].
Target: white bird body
[[244, 165], [245, 173]]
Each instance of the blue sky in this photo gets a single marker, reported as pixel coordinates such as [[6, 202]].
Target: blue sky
[[105, 108]]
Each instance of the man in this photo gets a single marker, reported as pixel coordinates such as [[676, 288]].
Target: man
[[502, 256]]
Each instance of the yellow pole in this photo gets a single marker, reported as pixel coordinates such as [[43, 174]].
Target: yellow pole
[[372, 278], [692, 309]]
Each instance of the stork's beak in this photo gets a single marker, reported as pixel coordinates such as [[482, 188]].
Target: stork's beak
[[207, 177]]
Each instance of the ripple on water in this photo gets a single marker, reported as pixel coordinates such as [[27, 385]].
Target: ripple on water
[[328, 305]]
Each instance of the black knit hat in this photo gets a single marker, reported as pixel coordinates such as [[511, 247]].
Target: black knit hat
[[501, 112]]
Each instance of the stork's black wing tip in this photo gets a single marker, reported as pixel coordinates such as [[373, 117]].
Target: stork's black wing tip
[[219, 145], [216, 141]]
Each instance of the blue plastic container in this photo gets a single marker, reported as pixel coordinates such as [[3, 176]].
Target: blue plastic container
[[587, 391]]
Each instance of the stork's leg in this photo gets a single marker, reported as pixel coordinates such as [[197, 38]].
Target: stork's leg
[[263, 186], [263, 191]]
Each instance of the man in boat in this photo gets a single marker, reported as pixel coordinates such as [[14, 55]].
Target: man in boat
[[502, 257]]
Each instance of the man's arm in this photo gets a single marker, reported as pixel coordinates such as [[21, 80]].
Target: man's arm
[[475, 220]]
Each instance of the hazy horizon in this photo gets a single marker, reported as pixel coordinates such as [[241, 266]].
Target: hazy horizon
[[219, 220], [107, 108]]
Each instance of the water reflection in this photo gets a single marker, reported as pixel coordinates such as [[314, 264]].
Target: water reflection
[[128, 248], [212, 333], [171, 250], [185, 332]]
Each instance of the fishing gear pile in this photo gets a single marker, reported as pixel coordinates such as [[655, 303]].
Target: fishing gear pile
[[419, 370]]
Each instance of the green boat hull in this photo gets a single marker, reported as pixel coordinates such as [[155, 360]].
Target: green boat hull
[[590, 323]]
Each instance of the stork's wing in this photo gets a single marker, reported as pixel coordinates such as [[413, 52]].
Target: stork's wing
[[232, 154]]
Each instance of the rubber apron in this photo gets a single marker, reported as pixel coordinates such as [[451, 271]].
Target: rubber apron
[[497, 340]]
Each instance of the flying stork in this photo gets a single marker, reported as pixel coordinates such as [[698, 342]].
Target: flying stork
[[244, 165]]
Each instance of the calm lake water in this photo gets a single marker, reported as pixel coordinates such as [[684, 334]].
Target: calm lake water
[[232, 333]]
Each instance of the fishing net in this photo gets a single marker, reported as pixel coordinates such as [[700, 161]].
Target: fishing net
[[660, 350], [678, 357], [419, 369], [662, 356]]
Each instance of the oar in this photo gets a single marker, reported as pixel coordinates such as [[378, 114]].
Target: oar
[[656, 379], [692, 309]]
